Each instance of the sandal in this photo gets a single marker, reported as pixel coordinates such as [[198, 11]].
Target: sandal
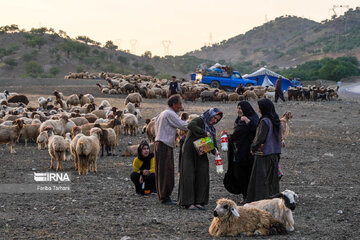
[[200, 207], [192, 207]]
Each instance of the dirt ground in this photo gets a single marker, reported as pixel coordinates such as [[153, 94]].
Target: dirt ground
[[320, 163]]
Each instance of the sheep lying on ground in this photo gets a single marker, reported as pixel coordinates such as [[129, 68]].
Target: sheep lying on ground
[[57, 149], [285, 126], [42, 140], [10, 134], [232, 220], [87, 149], [280, 207]]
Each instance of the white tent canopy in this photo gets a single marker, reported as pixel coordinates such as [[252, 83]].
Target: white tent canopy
[[262, 71], [267, 82]]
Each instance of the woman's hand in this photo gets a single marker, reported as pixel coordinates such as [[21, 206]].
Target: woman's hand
[[245, 119], [146, 172], [141, 180]]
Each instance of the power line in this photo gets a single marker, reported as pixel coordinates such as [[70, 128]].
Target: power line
[[166, 45]]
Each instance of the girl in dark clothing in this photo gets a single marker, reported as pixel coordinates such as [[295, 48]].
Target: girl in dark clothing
[[264, 181], [240, 159], [143, 175], [194, 170]]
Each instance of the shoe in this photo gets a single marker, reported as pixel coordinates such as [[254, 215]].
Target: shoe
[[169, 202], [192, 207], [200, 207]]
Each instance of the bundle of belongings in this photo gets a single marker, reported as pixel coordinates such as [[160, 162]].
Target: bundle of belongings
[[216, 70]]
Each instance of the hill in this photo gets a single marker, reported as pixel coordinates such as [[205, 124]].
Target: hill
[[288, 41]]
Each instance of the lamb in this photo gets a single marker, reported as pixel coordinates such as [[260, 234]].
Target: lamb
[[107, 140], [134, 98], [130, 123], [42, 140], [73, 100], [10, 134], [280, 207], [30, 132], [76, 134], [87, 150], [285, 127], [103, 89], [232, 220], [58, 126], [57, 149]]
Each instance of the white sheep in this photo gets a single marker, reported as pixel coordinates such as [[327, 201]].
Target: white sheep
[[43, 102], [59, 126], [57, 149], [280, 207], [87, 149], [68, 144], [134, 98], [130, 124], [76, 134], [232, 220]]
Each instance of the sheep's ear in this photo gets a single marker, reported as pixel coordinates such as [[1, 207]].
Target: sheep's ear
[[235, 212], [278, 195]]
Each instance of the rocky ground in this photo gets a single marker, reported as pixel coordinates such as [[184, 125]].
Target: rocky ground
[[320, 163]]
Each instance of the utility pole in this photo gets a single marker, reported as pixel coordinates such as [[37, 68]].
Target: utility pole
[[166, 45], [133, 43]]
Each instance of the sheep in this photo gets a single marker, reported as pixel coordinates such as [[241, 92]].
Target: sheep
[[76, 134], [58, 95], [57, 149], [130, 123], [42, 140], [249, 94], [4, 95], [105, 104], [280, 207], [150, 129], [232, 220], [87, 108], [113, 91], [68, 144], [233, 97], [43, 102], [107, 140], [285, 126], [87, 150], [58, 126], [131, 150], [73, 100], [18, 98], [86, 99], [79, 121], [134, 98], [100, 113], [103, 89], [30, 132], [208, 95], [269, 95], [10, 134], [130, 108]]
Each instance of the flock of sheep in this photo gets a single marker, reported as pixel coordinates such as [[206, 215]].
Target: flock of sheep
[[75, 127]]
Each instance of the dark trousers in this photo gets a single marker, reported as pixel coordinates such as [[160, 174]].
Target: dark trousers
[[164, 170], [149, 182], [279, 94]]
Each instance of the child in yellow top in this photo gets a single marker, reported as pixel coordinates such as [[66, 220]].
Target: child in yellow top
[[143, 175]]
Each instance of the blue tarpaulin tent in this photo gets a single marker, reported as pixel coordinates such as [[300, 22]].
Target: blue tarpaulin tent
[[268, 75]]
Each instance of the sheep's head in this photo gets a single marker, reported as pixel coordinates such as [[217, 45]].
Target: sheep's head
[[65, 118], [288, 115], [75, 130], [49, 130], [19, 122], [289, 198], [225, 208]]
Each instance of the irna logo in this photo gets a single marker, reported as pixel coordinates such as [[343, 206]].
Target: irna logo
[[51, 177]]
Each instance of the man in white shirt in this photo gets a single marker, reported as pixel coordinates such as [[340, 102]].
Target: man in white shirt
[[166, 124]]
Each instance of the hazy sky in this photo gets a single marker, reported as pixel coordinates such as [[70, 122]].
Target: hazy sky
[[188, 24]]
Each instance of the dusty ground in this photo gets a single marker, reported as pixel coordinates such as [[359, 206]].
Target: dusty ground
[[320, 162]]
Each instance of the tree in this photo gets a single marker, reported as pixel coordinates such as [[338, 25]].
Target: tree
[[11, 62], [54, 71], [34, 69], [147, 54], [110, 45]]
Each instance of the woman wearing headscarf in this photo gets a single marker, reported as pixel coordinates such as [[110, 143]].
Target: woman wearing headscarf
[[194, 170], [264, 181], [240, 159], [143, 175]]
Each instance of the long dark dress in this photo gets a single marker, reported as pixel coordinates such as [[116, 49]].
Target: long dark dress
[[240, 159], [194, 169], [264, 181]]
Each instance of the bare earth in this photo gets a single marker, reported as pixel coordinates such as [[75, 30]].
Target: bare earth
[[320, 162]]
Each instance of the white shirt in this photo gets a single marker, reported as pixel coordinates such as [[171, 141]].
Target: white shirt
[[166, 124]]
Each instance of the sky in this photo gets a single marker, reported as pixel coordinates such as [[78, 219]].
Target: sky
[[144, 25]]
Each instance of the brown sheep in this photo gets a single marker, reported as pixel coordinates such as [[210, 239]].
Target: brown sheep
[[73, 100], [232, 220], [233, 97], [76, 135], [42, 140], [30, 132], [249, 94], [285, 126], [10, 134], [57, 149]]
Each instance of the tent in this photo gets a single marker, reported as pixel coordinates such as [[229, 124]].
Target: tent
[[264, 76]]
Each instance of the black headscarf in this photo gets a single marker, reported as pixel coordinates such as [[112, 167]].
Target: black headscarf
[[250, 113], [147, 159], [268, 110]]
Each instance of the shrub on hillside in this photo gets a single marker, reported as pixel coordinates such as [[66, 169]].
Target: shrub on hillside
[[54, 71], [10, 62], [34, 69]]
